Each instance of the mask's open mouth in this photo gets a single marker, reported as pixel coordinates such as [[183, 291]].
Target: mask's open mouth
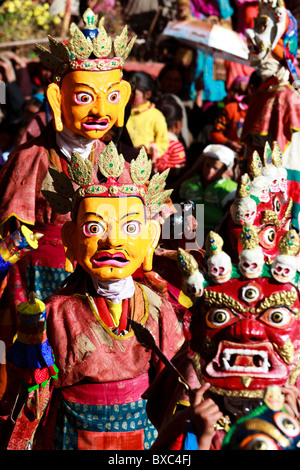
[[255, 360], [245, 360], [93, 124], [110, 259]]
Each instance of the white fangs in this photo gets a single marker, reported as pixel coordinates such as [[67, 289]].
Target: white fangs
[[262, 356]]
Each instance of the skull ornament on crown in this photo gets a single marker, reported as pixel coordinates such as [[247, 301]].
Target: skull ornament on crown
[[251, 258], [262, 200], [245, 331], [219, 265], [285, 266]]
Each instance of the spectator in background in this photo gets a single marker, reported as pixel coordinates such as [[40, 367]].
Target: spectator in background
[[228, 126], [14, 97], [215, 11], [146, 125], [171, 80], [175, 157], [20, 65], [209, 186]]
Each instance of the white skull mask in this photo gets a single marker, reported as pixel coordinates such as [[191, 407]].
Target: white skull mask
[[194, 284], [251, 262], [282, 179], [243, 210], [260, 188], [219, 267], [271, 172], [284, 268]]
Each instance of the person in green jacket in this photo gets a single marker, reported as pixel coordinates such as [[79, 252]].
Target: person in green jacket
[[209, 184]]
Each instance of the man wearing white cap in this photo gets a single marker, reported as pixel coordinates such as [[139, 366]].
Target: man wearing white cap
[[209, 186]]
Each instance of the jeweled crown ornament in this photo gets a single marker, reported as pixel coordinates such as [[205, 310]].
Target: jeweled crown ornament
[[219, 266], [193, 278], [286, 265], [243, 209], [89, 49], [251, 258], [58, 189], [263, 201]]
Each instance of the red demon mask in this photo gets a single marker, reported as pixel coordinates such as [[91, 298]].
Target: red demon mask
[[247, 335]]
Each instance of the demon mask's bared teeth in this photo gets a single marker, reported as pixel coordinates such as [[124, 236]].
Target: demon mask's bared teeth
[[244, 360]]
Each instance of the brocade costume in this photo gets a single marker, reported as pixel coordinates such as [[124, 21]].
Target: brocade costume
[[273, 115], [21, 199], [96, 401]]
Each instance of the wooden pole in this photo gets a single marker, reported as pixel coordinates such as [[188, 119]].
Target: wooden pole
[[27, 42], [67, 18]]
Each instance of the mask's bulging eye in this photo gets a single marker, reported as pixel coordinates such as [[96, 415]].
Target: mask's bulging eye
[[83, 98], [113, 97], [250, 293], [287, 424], [259, 442], [131, 228], [279, 317], [267, 237], [219, 317], [277, 205], [93, 228]]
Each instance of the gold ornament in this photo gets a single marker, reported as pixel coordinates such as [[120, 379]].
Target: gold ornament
[[219, 299], [270, 217], [289, 244], [140, 169], [110, 162], [255, 165], [86, 52], [276, 155], [57, 188], [80, 171], [186, 263], [261, 426], [286, 351], [278, 299], [248, 237], [213, 243], [244, 188], [288, 210]]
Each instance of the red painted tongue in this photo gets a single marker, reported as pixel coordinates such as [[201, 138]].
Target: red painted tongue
[[244, 361]]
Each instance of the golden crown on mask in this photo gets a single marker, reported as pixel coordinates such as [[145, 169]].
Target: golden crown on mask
[[58, 189], [88, 49]]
